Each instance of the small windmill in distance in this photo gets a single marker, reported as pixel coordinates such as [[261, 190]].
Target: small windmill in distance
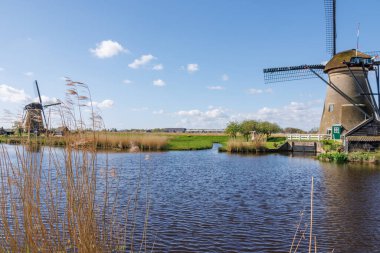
[[34, 119], [349, 97]]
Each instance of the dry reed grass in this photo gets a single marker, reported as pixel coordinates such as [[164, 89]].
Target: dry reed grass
[[240, 146], [302, 230], [144, 142], [60, 201]]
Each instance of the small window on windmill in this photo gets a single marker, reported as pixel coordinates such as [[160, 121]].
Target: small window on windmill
[[331, 107]]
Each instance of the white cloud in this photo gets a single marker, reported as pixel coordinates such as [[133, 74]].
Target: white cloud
[[295, 114], [192, 67], [211, 118], [225, 77], [159, 83], [158, 67], [254, 91], [215, 87], [107, 49], [143, 60], [107, 103], [1, 69], [161, 111], [29, 73], [126, 81], [13, 95], [46, 100]]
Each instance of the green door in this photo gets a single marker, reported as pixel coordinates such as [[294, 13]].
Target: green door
[[336, 132]]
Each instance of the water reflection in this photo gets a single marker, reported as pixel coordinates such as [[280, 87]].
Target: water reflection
[[205, 201], [33, 148], [352, 207]]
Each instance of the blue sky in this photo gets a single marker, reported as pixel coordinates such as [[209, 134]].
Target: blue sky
[[193, 64]]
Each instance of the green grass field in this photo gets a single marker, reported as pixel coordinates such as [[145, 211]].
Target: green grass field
[[274, 142], [194, 142]]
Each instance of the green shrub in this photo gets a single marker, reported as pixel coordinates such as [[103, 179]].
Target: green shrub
[[333, 157], [332, 146]]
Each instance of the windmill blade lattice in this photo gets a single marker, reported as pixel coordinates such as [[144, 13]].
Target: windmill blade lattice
[[330, 15], [282, 74], [42, 108]]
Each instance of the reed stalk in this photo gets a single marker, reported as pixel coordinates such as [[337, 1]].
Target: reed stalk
[[311, 215], [60, 200]]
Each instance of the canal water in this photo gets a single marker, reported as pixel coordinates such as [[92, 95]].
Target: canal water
[[205, 201]]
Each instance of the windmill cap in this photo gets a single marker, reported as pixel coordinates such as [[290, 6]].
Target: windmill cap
[[33, 106], [338, 59]]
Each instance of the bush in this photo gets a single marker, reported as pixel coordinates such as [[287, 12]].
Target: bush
[[332, 146], [334, 157], [361, 157]]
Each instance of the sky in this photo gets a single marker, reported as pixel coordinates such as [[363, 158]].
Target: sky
[[166, 63]]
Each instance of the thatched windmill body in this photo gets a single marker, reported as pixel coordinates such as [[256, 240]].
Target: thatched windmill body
[[349, 98], [34, 119]]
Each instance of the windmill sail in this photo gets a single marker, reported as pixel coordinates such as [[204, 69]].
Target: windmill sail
[[42, 108], [350, 98], [282, 74], [330, 15]]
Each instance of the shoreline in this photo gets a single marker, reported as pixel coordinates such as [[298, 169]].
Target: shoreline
[[326, 152]]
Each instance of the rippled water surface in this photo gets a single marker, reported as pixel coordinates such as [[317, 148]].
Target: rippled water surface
[[205, 201]]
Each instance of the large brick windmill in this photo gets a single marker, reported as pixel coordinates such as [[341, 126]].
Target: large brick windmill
[[349, 99]]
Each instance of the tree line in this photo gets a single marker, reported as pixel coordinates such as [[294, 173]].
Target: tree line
[[246, 127]]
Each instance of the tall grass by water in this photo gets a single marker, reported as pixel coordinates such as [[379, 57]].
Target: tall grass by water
[[241, 146], [146, 142], [63, 200]]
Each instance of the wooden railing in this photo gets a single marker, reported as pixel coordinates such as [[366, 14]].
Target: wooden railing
[[307, 137]]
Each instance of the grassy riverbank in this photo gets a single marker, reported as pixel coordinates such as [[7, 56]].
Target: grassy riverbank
[[126, 141], [333, 152], [358, 156], [121, 141]]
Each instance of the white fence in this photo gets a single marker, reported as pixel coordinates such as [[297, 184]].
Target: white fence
[[307, 137]]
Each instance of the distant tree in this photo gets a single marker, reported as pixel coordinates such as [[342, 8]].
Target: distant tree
[[247, 127], [232, 129], [292, 130], [268, 128]]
